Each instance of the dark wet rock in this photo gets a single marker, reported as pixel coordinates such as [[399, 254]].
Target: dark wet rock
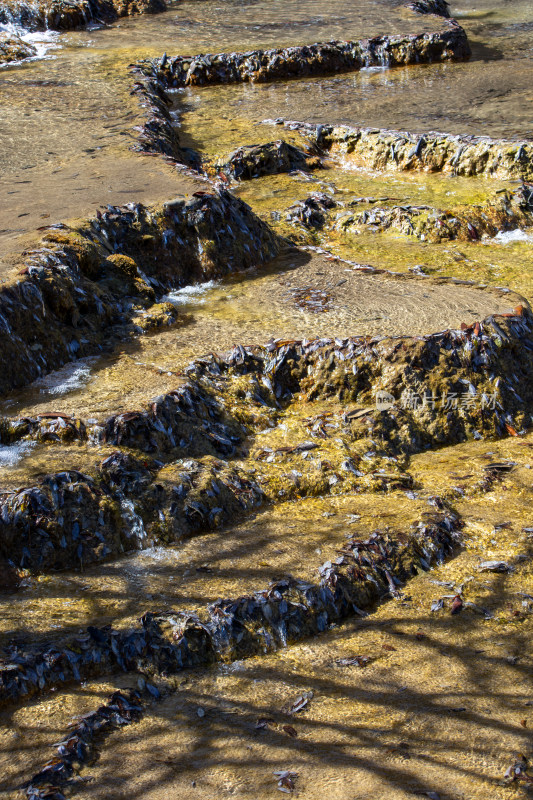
[[187, 420], [442, 389], [439, 7], [64, 15], [252, 161], [160, 133], [10, 578], [79, 745], [71, 520], [311, 212], [382, 149], [489, 361], [84, 285], [193, 496], [15, 49], [65, 520], [315, 59], [121, 275], [60, 428], [288, 610], [49, 426], [364, 572]]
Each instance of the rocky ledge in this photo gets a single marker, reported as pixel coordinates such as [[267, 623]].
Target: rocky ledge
[[438, 7], [217, 467], [507, 210], [15, 49], [325, 58], [382, 149], [66, 15], [84, 286]]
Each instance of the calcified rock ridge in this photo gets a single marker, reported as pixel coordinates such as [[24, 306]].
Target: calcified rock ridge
[[86, 283], [322, 58], [153, 78], [73, 519], [382, 149], [508, 210], [230, 629], [58, 15], [288, 610]]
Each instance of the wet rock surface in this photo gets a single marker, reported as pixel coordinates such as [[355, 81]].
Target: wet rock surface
[[15, 49], [270, 159], [74, 520], [508, 210], [82, 284], [311, 212], [314, 59], [60, 15], [439, 7], [429, 152]]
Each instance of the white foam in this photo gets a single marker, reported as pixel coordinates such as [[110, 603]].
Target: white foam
[[375, 68], [74, 375], [190, 294], [11, 454], [133, 521], [508, 237], [43, 41]]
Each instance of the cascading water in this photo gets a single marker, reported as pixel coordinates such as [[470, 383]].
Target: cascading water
[[34, 42]]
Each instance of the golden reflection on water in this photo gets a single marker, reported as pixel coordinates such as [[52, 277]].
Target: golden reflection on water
[[443, 705], [251, 309], [392, 728]]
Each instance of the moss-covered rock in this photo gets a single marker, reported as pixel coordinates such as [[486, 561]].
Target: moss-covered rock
[[15, 49]]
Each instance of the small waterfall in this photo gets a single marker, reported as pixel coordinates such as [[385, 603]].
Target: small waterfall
[[134, 526], [383, 56], [26, 23]]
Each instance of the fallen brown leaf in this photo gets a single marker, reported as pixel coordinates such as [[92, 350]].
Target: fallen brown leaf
[[290, 730]]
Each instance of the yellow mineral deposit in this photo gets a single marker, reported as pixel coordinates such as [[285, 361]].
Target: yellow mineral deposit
[[265, 471]]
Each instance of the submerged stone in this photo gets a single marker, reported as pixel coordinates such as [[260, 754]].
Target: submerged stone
[[15, 49], [252, 161]]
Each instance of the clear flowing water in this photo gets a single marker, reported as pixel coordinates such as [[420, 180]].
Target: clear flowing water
[[65, 148], [248, 309], [67, 121]]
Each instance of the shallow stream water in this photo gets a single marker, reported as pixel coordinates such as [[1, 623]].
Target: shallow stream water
[[67, 120], [65, 149]]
